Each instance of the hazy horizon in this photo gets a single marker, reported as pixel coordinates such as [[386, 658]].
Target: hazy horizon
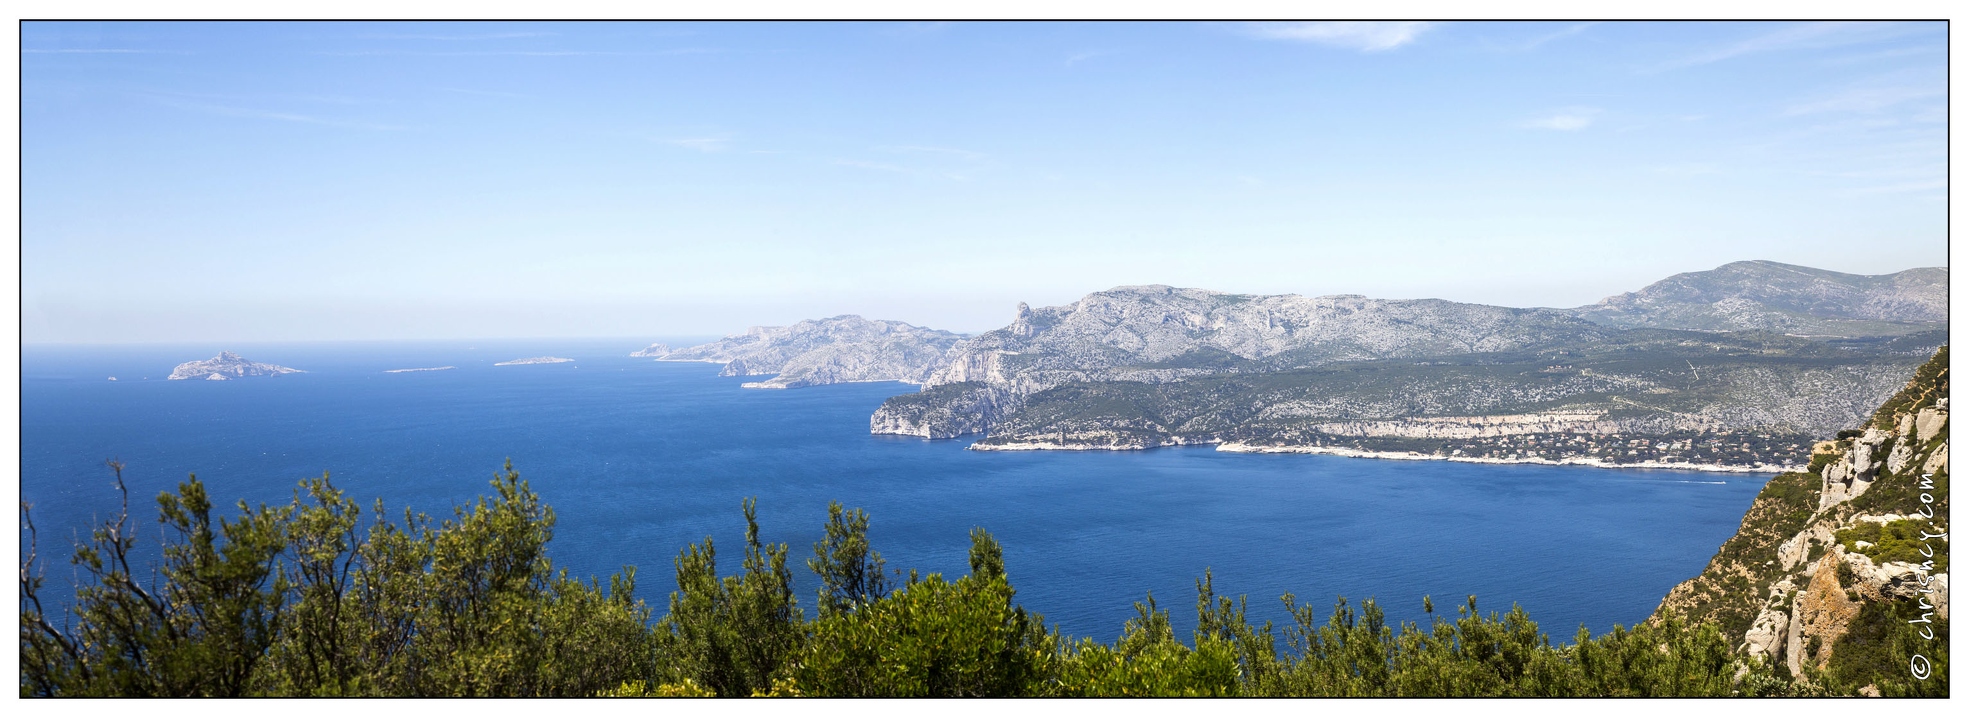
[[288, 182]]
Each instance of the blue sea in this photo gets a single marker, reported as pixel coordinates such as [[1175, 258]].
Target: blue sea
[[639, 458]]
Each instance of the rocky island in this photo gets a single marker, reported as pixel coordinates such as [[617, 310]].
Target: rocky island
[[1651, 384], [535, 360], [836, 350], [653, 350], [227, 365]]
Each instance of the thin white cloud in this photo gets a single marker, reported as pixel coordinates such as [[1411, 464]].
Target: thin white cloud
[[1799, 36], [1866, 100], [916, 29], [99, 51], [259, 114], [1570, 119], [488, 36], [898, 169], [964, 154], [486, 93], [861, 164], [1895, 53], [345, 100], [702, 144], [521, 53], [1689, 169], [1541, 40], [1903, 188], [1364, 36], [1077, 57]]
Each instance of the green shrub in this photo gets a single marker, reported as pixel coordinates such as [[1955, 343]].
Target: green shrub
[[1896, 541]]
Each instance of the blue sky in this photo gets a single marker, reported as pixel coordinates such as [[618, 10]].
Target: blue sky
[[271, 182]]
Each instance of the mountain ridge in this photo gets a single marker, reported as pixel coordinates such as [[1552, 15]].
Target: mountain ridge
[[1772, 296], [1152, 365]]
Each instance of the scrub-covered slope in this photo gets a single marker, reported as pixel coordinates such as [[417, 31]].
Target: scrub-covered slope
[[1840, 574]]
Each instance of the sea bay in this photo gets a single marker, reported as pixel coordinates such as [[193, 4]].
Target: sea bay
[[639, 458]]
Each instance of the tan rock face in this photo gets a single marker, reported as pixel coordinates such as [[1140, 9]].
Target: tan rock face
[[1824, 611]]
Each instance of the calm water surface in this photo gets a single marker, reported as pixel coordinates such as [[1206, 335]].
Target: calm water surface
[[639, 458]]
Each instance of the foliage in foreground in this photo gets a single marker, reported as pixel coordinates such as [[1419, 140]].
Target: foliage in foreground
[[309, 599]]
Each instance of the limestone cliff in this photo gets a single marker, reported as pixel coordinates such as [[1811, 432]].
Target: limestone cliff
[[839, 349], [1840, 573], [1145, 366]]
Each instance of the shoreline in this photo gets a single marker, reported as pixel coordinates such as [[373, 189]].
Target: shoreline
[[1588, 462], [1238, 448], [767, 384]]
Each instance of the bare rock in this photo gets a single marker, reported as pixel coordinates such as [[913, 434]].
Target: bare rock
[[1928, 424], [836, 350], [228, 365]]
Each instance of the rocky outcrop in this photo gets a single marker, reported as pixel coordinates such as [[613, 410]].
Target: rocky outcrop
[[228, 365], [1863, 533], [943, 412], [1163, 333], [1770, 296], [836, 350], [653, 351]]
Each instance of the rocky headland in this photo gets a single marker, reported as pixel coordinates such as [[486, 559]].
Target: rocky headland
[[1140, 367], [1839, 573], [654, 351], [836, 350], [228, 365]]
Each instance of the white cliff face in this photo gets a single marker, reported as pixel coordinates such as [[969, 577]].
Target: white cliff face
[[227, 365], [1161, 334], [1095, 338], [840, 349], [1846, 479]]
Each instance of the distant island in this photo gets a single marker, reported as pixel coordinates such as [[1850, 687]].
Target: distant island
[[653, 350], [428, 368], [534, 360], [227, 365]]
